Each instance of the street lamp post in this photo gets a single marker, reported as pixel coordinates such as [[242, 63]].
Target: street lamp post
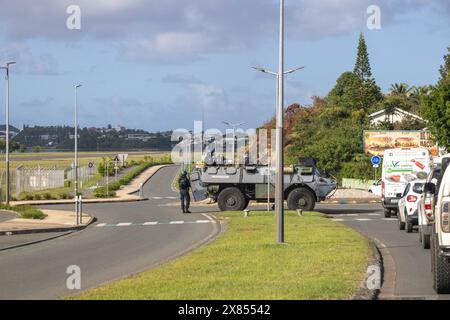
[[8, 182], [76, 139]]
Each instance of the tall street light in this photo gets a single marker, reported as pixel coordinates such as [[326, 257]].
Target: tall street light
[[76, 139], [279, 185], [6, 67], [276, 106]]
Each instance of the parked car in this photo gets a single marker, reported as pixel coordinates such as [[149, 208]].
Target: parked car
[[426, 206], [407, 206], [400, 167], [375, 188], [440, 237]]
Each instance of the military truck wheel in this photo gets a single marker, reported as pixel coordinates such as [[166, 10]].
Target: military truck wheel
[[231, 199], [441, 272], [301, 198]]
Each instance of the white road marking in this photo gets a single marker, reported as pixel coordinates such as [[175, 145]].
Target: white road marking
[[176, 222], [171, 198], [389, 219], [101, 225], [204, 221], [124, 224], [374, 214], [157, 198], [151, 223], [362, 220]]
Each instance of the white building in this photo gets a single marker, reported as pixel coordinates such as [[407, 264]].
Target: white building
[[398, 115]]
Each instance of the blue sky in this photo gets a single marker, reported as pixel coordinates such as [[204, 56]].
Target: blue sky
[[154, 64]]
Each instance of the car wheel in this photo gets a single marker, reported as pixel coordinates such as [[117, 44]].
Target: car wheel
[[426, 241], [231, 199], [401, 225], [301, 198], [441, 272], [387, 213], [409, 226]]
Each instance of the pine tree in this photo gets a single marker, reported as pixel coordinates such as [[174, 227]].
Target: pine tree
[[362, 66]]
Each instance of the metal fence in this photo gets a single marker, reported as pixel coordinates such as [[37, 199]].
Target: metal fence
[[34, 179], [85, 174]]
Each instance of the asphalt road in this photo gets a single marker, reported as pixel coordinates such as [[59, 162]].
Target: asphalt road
[[407, 265], [128, 238]]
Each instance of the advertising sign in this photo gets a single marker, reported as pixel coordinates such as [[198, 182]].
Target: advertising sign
[[376, 142]]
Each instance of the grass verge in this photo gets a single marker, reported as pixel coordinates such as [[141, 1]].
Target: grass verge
[[321, 260], [26, 212]]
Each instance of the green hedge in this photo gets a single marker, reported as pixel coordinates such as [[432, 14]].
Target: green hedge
[[100, 192]]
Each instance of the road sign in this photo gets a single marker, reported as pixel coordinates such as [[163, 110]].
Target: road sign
[[376, 160], [376, 165], [91, 164], [122, 158]]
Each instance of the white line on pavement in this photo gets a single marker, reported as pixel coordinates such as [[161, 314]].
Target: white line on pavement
[[151, 223], [176, 222], [101, 225], [363, 220], [124, 224]]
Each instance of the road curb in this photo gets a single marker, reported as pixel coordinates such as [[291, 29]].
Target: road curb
[[375, 263], [48, 230], [351, 201], [66, 233]]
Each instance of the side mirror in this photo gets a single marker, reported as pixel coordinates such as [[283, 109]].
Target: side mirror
[[429, 188]]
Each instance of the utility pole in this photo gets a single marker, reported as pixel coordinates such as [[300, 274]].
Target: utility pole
[[279, 185], [76, 139], [8, 182]]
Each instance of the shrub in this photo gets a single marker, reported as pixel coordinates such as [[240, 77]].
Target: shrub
[[64, 195], [47, 196], [26, 212], [37, 197]]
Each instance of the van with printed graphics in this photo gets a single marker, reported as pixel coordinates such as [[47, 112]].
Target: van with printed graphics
[[400, 167]]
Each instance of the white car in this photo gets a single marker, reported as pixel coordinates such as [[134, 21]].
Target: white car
[[375, 189], [408, 205]]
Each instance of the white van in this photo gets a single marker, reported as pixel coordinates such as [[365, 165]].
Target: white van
[[401, 166]]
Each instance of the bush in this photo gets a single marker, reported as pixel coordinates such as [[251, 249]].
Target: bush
[[25, 196], [47, 196], [64, 195], [37, 197], [26, 212]]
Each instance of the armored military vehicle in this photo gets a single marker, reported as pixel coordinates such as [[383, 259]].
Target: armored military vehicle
[[232, 187]]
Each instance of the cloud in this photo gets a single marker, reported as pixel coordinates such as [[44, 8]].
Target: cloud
[[183, 31], [44, 64]]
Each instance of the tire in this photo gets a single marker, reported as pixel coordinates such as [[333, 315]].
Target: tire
[[231, 199], [301, 198], [401, 225], [387, 213], [420, 234], [441, 272], [409, 226], [426, 241]]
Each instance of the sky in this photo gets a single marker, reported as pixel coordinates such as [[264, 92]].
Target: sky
[[156, 64]]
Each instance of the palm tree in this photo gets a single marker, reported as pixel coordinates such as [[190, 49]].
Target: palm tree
[[400, 89]]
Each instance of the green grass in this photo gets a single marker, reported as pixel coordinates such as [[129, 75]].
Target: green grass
[[26, 212], [321, 260]]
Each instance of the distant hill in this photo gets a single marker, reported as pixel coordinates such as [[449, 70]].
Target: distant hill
[[92, 139]]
